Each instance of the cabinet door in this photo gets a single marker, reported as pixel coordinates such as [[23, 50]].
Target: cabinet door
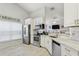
[[38, 20], [64, 51], [77, 20], [67, 51], [46, 42], [50, 45], [78, 10], [70, 14], [42, 41]]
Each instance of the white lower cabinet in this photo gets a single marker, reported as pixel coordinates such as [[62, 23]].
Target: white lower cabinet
[[46, 42], [42, 42], [67, 51], [50, 46]]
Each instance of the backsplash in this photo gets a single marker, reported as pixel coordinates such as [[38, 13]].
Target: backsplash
[[65, 31], [74, 33], [71, 32]]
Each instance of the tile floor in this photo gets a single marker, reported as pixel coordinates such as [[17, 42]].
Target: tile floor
[[17, 48]]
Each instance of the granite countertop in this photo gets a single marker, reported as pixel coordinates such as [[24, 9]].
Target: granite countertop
[[67, 41]]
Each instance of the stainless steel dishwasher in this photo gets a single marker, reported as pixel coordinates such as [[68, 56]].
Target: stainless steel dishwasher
[[56, 48]]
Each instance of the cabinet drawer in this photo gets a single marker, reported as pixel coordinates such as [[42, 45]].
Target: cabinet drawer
[[67, 51]]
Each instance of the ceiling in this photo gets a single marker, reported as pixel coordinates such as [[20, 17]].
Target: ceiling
[[30, 7]]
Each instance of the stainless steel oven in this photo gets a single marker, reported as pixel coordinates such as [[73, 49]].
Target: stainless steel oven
[[36, 41]]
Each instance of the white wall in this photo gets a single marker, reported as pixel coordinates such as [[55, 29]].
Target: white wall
[[55, 12], [12, 10], [38, 13]]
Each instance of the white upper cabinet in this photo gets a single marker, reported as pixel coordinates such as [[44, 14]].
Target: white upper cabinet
[[27, 21], [71, 12], [39, 20], [78, 11]]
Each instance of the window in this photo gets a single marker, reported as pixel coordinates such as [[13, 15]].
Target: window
[[10, 30]]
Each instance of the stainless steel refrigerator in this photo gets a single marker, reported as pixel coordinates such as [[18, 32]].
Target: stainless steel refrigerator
[[26, 34]]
